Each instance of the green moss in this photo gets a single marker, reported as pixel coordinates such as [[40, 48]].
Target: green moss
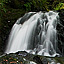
[[59, 60]]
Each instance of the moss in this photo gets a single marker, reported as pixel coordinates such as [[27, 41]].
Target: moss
[[59, 60]]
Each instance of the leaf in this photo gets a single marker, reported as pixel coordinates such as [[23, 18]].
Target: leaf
[[4, 10], [25, 5]]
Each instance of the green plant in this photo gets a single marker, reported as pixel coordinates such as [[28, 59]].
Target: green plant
[[28, 6], [2, 6], [59, 6], [36, 5]]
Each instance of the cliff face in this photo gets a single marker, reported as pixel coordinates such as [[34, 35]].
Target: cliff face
[[60, 28]]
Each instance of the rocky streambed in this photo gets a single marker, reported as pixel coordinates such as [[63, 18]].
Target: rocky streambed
[[23, 57]]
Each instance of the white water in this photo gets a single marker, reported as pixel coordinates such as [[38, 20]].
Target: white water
[[35, 33]]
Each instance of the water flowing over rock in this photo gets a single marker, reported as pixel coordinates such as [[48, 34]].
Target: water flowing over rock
[[35, 33]]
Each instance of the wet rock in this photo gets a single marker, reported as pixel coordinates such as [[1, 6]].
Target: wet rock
[[52, 63], [60, 32], [37, 60], [22, 53], [31, 62], [45, 61], [61, 14]]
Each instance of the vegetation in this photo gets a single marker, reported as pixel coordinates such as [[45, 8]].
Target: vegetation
[[11, 10], [59, 6], [32, 5]]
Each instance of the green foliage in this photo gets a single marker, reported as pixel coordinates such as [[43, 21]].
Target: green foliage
[[2, 6], [36, 5], [59, 6], [33, 5], [28, 6], [40, 4]]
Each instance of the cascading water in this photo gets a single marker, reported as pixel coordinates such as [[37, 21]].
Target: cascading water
[[35, 33]]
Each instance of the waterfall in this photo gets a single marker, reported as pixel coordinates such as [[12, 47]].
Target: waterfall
[[35, 33]]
